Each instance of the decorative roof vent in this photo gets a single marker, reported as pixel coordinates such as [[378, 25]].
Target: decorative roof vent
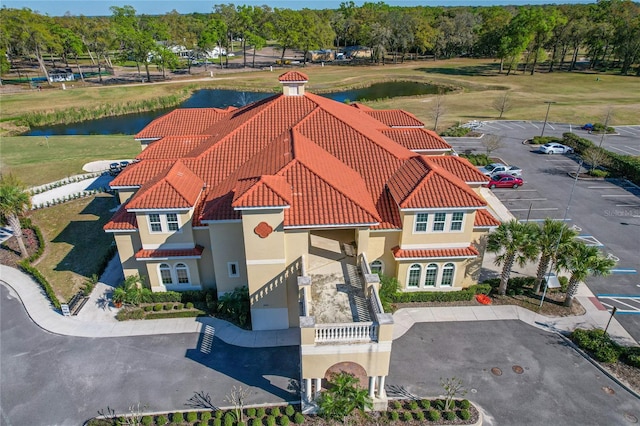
[[293, 83]]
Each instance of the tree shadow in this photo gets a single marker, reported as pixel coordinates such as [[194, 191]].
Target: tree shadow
[[487, 70]]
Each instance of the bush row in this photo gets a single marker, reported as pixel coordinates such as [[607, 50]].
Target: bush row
[[626, 166], [456, 131], [541, 140], [31, 270], [26, 223], [141, 313], [70, 197], [439, 296], [57, 184], [477, 159], [600, 345]]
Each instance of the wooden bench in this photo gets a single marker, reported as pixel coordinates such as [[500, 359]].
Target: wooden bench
[[77, 302]]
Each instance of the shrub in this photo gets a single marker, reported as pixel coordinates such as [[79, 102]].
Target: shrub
[[397, 405], [218, 414], [178, 306], [235, 306], [426, 404], [261, 412], [598, 343], [165, 296], [167, 306], [434, 415], [217, 422], [27, 268], [541, 140], [177, 418], [465, 414], [146, 420], [192, 417], [393, 415], [632, 356], [275, 411], [344, 396], [130, 314], [271, 421], [257, 422], [157, 307], [477, 159], [413, 405], [440, 404], [189, 305], [289, 411], [147, 308], [456, 131], [598, 173], [251, 412], [228, 419], [450, 415], [284, 421], [407, 416], [465, 404], [205, 417], [419, 415], [175, 314], [162, 420], [298, 418]]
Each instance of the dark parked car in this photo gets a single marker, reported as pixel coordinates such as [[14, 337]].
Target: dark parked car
[[505, 181], [588, 127], [114, 169], [124, 164]]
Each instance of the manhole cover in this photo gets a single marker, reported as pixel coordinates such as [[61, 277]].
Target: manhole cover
[[608, 390], [630, 418], [496, 371], [517, 369]]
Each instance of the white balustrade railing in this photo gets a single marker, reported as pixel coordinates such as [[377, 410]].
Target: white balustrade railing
[[346, 332]]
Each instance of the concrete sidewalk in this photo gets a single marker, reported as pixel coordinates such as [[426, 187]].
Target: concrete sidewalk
[[43, 314]]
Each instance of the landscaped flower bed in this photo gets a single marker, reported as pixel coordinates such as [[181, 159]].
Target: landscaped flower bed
[[400, 412]]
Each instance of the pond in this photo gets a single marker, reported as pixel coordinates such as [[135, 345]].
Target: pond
[[131, 124]]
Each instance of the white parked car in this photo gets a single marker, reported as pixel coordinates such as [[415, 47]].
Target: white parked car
[[555, 148], [500, 169]]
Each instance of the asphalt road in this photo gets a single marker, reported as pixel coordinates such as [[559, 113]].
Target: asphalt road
[[557, 386], [48, 379], [606, 213]]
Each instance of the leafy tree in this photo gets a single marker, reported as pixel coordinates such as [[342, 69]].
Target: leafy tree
[[516, 242], [213, 36], [165, 59], [343, 396], [554, 237], [315, 32], [100, 39], [581, 261], [14, 201], [287, 27], [136, 42]]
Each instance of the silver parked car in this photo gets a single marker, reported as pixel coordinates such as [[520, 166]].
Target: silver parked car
[[555, 148]]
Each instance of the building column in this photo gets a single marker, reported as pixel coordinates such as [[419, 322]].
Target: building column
[[381, 393], [372, 386], [307, 391], [318, 384]]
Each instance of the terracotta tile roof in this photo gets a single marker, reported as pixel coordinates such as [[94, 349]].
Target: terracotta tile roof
[[293, 76], [484, 219], [460, 167], [122, 221], [396, 118], [179, 188], [167, 254], [420, 185], [171, 147], [399, 253], [417, 139], [268, 191], [139, 173], [183, 121]]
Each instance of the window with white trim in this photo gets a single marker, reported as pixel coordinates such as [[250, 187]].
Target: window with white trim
[[172, 222], [438, 221], [421, 222], [154, 222], [413, 277], [447, 275], [431, 275], [456, 221], [232, 267], [182, 273], [376, 267], [165, 274]]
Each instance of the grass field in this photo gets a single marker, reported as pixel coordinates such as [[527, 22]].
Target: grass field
[[580, 96], [36, 160], [75, 242]]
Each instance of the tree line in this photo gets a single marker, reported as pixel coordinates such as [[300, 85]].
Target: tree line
[[521, 38]]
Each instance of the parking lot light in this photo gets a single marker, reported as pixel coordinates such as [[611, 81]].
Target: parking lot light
[[546, 116]]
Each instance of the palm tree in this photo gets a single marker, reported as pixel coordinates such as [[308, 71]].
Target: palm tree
[[581, 261], [14, 201], [517, 243], [553, 238]]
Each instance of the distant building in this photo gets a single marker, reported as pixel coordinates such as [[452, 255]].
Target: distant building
[[326, 55]]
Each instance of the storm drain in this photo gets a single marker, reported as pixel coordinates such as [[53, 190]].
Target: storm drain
[[496, 371], [517, 369], [630, 418]]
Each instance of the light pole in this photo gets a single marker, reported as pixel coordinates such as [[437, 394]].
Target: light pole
[[546, 116]]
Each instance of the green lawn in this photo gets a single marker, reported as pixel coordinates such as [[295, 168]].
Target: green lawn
[[37, 160], [75, 243]]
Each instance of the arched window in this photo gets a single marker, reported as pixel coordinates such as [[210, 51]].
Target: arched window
[[376, 267], [431, 275], [182, 272], [447, 275], [413, 278], [165, 274]]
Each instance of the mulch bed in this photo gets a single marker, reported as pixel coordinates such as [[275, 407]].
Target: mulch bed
[[10, 251]]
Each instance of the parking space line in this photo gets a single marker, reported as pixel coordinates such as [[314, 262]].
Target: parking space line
[[624, 271], [542, 220], [627, 146], [618, 195], [533, 124], [526, 210], [519, 125], [590, 240], [525, 199], [618, 149], [599, 187], [491, 127], [620, 129], [627, 205]]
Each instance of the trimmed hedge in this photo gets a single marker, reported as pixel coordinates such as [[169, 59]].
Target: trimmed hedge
[[26, 223], [541, 140], [440, 296], [31, 270], [175, 314], [456, 131]]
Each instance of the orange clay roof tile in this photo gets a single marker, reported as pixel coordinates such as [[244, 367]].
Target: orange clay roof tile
[[396, 118], [179, 188], [293, 76], [484, 219], [417, 139], [122, 221], [460, 167], [166, 254], [399, 253], [184, 121]]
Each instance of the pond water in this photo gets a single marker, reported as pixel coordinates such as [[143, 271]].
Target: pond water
[[131, 124]]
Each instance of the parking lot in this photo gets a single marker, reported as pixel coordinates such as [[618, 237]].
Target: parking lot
[[606, 213]]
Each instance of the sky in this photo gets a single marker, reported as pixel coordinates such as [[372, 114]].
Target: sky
[[160, 7]]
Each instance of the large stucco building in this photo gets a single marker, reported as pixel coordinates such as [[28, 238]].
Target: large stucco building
[[300, 198]]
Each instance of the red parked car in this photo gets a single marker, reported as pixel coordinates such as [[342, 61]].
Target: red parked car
[[505, 181]]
